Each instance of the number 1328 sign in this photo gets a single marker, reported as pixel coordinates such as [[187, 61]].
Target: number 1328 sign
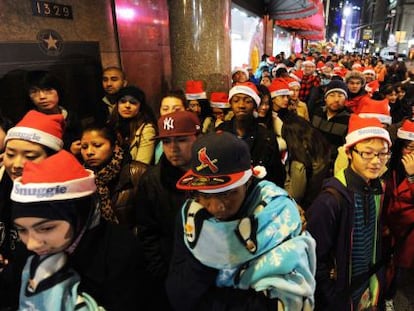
[[50, 9]]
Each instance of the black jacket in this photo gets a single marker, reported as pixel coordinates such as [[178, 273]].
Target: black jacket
[[264, 149], [111, 267], [159, 202]]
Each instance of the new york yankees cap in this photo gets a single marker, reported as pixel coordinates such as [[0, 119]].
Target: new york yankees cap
[[178, 123], [220, 162]]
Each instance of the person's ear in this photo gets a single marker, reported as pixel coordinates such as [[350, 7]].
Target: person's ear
[[125, 83]]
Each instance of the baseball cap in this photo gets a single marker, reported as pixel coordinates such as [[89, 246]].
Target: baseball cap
[[178, 123], [220, 162]]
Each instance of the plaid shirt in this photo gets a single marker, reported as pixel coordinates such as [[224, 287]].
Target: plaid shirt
[[306, 85]]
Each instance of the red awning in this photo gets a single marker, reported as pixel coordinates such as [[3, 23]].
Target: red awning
[[288, 9], [311, 34], [314, 22]]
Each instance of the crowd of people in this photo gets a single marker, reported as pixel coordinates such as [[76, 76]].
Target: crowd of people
[[294, 190]]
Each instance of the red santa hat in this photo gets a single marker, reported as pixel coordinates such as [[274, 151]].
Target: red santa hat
[[370, 108], [297, 75], [219, 100], [406, 131], [279, 87], [292, 82], [360, 129], [247, 88], [43, 181], [37, 127], [194, 90]]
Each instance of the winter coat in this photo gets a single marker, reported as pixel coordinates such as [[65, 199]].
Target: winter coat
[[264, 149], [400, 215], [125, 192], [111, 267], [11, 248], [159, 201], [331, 222]]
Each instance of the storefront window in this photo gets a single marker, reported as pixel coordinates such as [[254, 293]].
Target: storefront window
[[246, 38], [282, 41]]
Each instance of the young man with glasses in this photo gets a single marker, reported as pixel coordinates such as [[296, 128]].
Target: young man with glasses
[[238, 243], [345, 221]]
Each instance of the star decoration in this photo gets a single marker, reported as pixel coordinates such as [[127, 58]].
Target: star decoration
[[51, 42]]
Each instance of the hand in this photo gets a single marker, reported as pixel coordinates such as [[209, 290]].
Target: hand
[[408, 162], [75, 147]]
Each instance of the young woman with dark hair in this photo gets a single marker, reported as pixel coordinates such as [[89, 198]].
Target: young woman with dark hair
[[135, 124]]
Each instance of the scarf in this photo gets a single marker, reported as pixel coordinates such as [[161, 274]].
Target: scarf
[[263, 250], [103, 177]]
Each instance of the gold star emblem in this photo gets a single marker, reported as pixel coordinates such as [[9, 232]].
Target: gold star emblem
[[51, 42]]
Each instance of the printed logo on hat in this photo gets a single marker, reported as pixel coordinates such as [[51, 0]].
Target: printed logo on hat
[[205, 161], [168, 124]]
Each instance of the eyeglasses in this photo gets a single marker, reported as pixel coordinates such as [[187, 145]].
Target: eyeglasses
[[369, 155]]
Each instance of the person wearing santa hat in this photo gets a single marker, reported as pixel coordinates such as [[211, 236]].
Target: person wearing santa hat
[[230, 231], [370, 108], [309, 85], [279, 92], [372, 84], [220, 106], [400, 202], [239, 75], [295, 104], [35, 137], [74, 251], [198, 102], [244, 100], [345, 221]]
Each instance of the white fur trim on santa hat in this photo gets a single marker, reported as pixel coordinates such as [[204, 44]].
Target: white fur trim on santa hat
[[280, 92], [34, 135], [366, 133], [382, 117], [293, 84], [222, 105], [195, 96], [405, 134], [59, 191], [243, 89], [372, 71]]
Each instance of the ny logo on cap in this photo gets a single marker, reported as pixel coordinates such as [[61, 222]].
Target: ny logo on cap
[[206, 161], [168, 124]]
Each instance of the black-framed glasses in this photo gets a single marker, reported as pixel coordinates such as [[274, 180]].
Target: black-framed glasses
[[369, 155]]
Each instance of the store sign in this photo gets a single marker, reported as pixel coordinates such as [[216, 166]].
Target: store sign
[[367, 34], [50, 9]]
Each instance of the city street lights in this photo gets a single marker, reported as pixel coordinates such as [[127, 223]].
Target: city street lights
[[346, 13]]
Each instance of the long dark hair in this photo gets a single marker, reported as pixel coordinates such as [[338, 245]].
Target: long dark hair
[[305, 144], [128, 127]]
